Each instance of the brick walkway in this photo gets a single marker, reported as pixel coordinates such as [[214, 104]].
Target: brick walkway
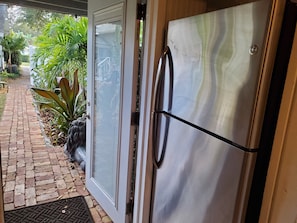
[[34, 172]]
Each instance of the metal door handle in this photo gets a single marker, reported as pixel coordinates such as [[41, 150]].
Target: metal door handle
[[158, 106]]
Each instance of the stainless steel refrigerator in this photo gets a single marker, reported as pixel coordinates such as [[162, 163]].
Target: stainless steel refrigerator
[[204, 124]]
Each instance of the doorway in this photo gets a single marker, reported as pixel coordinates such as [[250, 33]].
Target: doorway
[[33, 171]]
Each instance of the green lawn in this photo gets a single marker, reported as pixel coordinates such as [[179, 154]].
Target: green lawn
[[25, 64], [2, 102]]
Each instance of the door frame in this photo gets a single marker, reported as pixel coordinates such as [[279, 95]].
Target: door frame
[[153, 36], [275, 205], [118, 210]]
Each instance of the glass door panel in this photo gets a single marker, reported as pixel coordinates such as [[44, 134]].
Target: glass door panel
[[112, 90], [107, 88]]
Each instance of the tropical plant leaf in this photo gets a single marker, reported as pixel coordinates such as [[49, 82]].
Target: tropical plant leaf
[[54, 107], [75, 83], [70, 93], [68, 104], [65, 90], [50, 95], [62, 46]]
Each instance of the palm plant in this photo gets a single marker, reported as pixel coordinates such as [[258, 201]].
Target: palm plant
[[62, 46], [12, 43], [69, 105]]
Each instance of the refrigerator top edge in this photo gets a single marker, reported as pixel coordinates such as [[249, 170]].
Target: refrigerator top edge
[[217, 59]]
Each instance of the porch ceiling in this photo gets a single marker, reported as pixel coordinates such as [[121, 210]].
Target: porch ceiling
[[76, 7]]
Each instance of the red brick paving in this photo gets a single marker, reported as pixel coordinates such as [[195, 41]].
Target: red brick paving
[[34, 172]]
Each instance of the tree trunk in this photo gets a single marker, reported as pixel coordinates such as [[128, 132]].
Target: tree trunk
[[9, 62]]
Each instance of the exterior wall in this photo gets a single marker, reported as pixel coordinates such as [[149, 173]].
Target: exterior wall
[[3, 15], [3, 29]]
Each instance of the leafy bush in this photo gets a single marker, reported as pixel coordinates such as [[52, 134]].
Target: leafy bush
[[68, 101], [61, 46], [4, 75], [12, 44], [25, 58]]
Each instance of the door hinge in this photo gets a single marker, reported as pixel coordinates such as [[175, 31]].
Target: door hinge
[[135, 118], [141, 11], [130, 206]]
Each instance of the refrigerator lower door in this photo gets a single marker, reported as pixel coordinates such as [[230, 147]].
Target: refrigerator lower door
[[199, 179]]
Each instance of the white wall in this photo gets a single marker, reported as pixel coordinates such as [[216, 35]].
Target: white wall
[[3, 16]]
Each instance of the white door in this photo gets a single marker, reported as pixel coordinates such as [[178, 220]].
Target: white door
[[112, 80]]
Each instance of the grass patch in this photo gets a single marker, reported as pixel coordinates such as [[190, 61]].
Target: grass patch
[[2, 100], [25, 64]]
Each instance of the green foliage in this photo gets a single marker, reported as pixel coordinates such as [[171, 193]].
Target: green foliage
[[36, 19], [12, 44], [69, 105], [25, 58], [4, 75], [29, 21], [61, 46]]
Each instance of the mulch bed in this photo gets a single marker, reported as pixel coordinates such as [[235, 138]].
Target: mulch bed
[[51, 131]]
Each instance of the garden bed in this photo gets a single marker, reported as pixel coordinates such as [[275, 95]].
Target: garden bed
[[53, 135]]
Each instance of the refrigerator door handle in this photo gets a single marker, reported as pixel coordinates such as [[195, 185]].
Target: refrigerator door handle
[[158, 106], [159, 86]]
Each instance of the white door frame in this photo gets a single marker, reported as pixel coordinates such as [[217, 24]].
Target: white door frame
[[116, 210], [155, 20]]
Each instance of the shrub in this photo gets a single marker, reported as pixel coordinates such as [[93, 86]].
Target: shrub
[[68, 102], [12, 44], [25, 58], [61, 46], [7, 75]]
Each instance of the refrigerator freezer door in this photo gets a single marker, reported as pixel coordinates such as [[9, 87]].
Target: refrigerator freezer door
[[199, 179], [217, 59]]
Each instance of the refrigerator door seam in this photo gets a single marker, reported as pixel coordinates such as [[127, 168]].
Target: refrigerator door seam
[[168, 114]]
